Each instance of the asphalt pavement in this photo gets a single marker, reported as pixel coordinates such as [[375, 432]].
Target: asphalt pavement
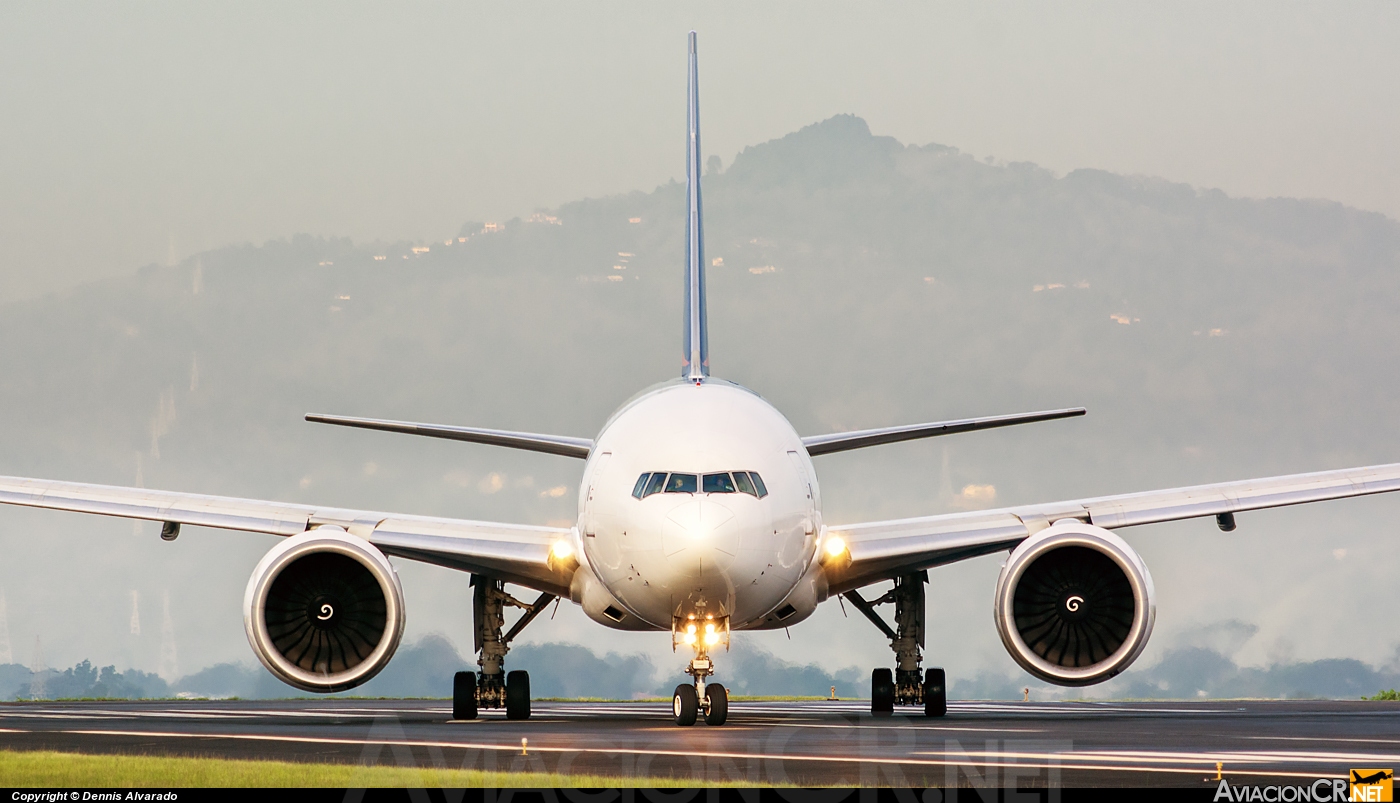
[[807, 743]]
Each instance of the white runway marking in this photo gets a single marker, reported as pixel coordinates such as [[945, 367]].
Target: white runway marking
[[1139, 761]]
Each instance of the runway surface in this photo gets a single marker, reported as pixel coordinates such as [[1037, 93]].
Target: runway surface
[[806, 743]]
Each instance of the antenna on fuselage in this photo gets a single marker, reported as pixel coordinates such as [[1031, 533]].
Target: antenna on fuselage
[[695, 359]]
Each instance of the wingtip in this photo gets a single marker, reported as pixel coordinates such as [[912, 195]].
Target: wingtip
[[692, 41]]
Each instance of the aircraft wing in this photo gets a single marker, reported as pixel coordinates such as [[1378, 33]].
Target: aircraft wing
[[513, 552], [882, 549], [845, 441], [550, 444]]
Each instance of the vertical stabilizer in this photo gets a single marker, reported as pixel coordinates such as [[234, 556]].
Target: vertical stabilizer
[[695, 361]]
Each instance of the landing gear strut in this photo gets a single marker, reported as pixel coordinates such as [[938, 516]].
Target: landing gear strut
[[700, 631], [907, 685], [495, 688]]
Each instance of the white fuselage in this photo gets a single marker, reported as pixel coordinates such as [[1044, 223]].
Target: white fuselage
[[727, 553]]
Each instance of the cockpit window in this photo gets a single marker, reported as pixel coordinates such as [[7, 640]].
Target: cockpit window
[[717, 484], [745, 485], [682, 484], [725, 482], [758, 484], [657, 483]]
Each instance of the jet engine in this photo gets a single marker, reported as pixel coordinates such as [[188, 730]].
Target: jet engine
[[1074, 604], [324, 610]]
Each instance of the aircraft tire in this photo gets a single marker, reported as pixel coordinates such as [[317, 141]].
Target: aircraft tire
[[464, 695], [718, 711], [518, 694], [881, 692], [935, 692], [685, 705]]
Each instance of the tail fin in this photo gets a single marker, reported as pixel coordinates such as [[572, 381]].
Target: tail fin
[[695, 361]]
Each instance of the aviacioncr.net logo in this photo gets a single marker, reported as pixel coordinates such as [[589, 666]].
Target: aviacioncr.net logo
[[1323, 790]]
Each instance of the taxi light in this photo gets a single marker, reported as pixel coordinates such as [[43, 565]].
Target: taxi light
[[711, 638], [690, 629], [690, 637]]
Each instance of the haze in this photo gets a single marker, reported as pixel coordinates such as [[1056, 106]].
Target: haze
[[132, 134]]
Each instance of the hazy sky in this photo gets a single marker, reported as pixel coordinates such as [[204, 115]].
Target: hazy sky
[[131, 131]]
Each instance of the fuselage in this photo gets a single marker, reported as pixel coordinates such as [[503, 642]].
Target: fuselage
[[700, 497]]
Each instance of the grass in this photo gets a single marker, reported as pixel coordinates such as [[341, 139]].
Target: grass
[[54, 769], [785, 698], [740, 698], [1388, 694]]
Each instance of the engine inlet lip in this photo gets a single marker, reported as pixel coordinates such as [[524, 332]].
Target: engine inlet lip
[[322, 540], [1057, 536]]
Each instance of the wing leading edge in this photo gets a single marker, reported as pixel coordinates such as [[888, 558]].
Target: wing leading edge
[[859, 439], [514, 552], [882, 549], [529, 441]]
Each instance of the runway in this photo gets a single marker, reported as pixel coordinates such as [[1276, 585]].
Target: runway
[[805, 743]]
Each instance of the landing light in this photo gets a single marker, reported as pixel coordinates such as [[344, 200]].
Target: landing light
[[711, 637], [561, 556], [835, 546]]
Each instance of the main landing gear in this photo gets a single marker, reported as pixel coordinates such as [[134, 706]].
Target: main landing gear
[[906, 685], [700, 631], [495, 688]]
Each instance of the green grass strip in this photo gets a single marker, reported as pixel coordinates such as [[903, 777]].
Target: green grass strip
[[49, 769]]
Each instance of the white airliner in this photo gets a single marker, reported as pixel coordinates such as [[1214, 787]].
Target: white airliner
[[699, 514]]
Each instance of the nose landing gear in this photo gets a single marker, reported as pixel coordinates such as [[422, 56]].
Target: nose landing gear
[[906, 685], [689, 701], [700, 632]]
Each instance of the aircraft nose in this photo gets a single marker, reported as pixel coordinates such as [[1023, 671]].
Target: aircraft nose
[[698, 534]]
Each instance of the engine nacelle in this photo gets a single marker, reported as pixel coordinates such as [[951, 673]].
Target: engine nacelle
[[324, 610], [1074, 604]]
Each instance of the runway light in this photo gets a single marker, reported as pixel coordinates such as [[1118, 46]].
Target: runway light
[[835, 545]]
